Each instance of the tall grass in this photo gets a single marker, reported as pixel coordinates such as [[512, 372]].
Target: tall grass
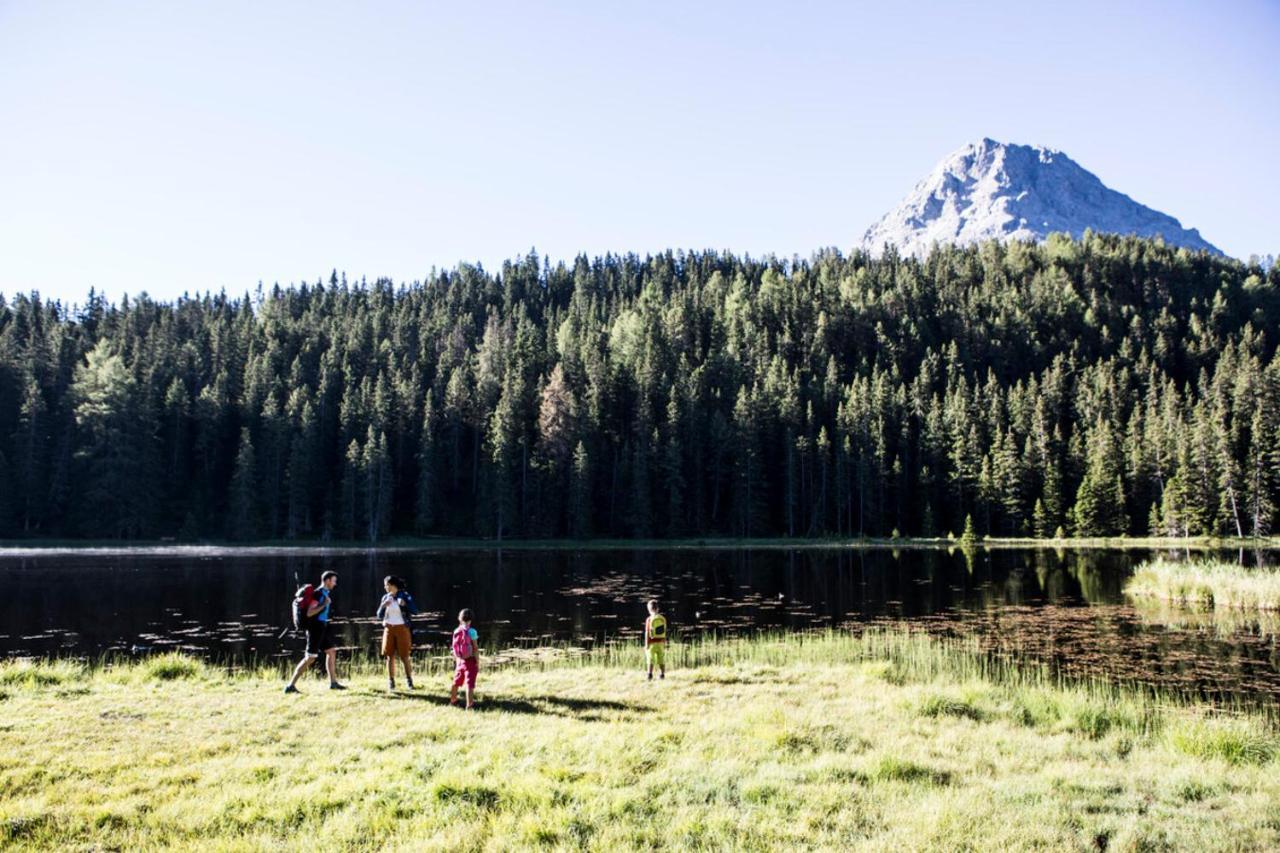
[[888, 739], [1207, 584], [895, 655]]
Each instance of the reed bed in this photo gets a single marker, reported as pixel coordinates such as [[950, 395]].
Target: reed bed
[[1208, 584]]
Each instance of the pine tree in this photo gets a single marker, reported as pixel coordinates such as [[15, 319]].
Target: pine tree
[[6, 492], [244, 514], [1007, 478], [673, 463], [748, 478], [1261, 472], [116, 434], [303, 451], [580, 493], [351, 497], [424, 519], [377, 485], [557, 432], [1099, 508], [503, 448], [30, 446], [1041, 525], [177, 474]]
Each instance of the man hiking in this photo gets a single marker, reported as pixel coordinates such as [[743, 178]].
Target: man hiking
[[319, 634]]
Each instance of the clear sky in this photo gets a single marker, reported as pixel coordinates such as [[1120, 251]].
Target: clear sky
[[182, 146]]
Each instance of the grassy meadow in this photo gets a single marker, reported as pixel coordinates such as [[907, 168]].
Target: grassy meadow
[[1207, 584], [887, 741]]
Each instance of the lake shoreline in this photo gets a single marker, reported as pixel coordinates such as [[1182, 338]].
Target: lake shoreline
[[37, 547]]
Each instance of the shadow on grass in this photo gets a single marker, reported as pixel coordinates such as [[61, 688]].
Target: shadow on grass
[[562, 706]]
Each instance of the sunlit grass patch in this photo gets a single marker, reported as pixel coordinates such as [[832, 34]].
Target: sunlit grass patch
[[1093, 714], [170, 667], [1208, 584], [953, 703], [1233, 741], [40, 673], [890, 768]]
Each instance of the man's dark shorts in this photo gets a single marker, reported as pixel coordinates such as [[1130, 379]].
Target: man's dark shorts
[[319, 638]]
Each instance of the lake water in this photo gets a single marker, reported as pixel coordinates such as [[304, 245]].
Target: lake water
[[1063, 606]]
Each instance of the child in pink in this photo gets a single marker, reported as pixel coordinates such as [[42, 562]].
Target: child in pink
[[466, 658]]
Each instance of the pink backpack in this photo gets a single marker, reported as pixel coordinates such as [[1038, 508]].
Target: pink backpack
[[462, 645]]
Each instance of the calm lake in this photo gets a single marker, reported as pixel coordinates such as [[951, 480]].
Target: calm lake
[[1063, 606]]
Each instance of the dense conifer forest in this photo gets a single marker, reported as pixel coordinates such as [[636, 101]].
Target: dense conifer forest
[[1099, 386]]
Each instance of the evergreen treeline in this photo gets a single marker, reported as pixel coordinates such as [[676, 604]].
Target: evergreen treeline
[[1104, 386]]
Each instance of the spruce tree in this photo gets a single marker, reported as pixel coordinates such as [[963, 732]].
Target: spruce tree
[[1099, 507], [377, 486], [428, 487], [244, 514], [351, 496], [580, 493]]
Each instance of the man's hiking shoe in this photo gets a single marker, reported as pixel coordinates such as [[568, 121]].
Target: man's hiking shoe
[[391, 685], [333, 685], [409, 683], [289, 688]]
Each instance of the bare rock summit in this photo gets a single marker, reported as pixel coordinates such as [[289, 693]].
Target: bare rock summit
[[994, 190]]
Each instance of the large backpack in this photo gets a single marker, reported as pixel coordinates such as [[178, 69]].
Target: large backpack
[[462, 645], [302, 601]]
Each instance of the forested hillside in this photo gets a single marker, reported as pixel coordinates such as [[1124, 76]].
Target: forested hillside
[[1102, 386]]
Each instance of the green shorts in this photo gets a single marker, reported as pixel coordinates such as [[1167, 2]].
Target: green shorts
[[656, 655]]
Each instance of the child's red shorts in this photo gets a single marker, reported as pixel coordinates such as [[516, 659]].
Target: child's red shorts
[[466, 672]]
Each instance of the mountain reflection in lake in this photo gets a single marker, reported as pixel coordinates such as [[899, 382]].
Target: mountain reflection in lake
[[1065, 606]]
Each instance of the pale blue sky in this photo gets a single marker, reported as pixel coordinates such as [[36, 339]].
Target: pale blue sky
[[178, 146]]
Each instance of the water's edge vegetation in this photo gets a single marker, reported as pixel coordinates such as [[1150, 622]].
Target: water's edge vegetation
[[1208, 584], [811, 740]]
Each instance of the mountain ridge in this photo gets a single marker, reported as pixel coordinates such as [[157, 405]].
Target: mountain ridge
[[995, 190]]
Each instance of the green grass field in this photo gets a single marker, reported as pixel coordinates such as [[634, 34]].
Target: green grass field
[[885, 742]]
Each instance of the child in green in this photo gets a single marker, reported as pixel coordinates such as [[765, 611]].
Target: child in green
[[655, 641]]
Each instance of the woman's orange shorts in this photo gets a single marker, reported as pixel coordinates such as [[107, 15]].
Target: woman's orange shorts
[[396, 641]]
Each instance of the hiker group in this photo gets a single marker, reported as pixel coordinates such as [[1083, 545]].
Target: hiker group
[[313, 605]]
